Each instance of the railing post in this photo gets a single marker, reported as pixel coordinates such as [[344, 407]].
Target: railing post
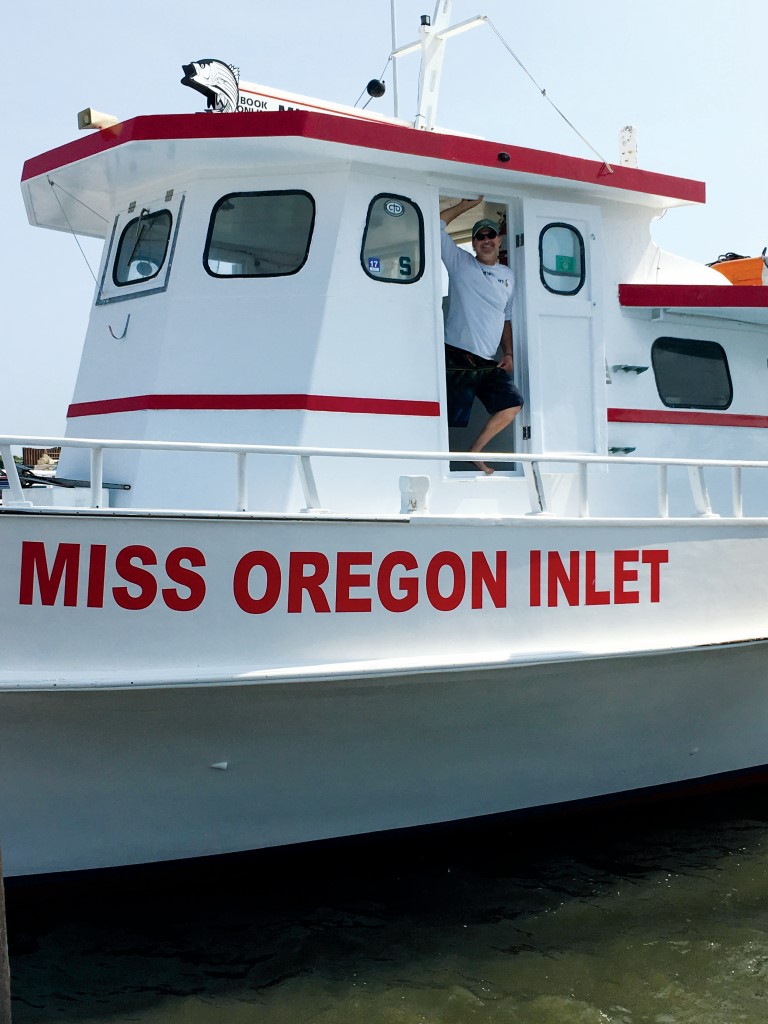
[[97, 476], [241, 500], [308, 484], [699, 491], [663, 495], [14, 484], [536, 495], [736, 492], [583, 492]]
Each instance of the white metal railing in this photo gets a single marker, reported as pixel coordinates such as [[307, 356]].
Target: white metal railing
[[531, 464]]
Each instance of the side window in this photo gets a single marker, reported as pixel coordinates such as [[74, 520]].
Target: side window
[[142, 248], [139, 255], [393, 241], [691, 374], [561, 259], [259, 234]]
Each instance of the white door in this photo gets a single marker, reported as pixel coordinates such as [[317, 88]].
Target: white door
[[560, 342]]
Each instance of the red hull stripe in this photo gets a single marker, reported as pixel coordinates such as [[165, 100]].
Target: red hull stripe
[[347, 131], [315, 403], [686, 416]]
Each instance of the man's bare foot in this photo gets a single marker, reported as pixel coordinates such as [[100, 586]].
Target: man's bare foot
[[488, 470]]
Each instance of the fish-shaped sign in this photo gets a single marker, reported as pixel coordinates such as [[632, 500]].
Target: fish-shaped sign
[[217, 81]]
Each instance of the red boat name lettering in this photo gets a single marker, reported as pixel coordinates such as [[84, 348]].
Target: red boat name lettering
[[576, 581], [73, 575], [349, 581], [130, 562]]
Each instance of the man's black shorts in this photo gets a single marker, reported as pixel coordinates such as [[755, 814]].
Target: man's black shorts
[[468, 377]]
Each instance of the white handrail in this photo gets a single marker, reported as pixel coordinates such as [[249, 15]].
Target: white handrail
[[121, 444], [531, 464]]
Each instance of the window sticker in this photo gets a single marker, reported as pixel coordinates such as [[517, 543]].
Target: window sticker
[[393, 241], [561, 259]]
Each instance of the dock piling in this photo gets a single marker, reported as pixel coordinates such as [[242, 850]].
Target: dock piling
[[5, 967]]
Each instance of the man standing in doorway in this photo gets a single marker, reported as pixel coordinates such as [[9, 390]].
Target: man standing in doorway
[[479, 319]]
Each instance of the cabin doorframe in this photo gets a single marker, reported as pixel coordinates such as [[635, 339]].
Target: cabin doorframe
[[506, 212]]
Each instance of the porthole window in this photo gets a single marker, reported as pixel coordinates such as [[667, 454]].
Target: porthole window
[[393, 241], [142, 248], [691, 374], [561, 259], [259, 234]]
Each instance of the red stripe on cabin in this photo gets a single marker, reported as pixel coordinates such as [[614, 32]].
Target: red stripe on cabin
[[366, 135], [314, 403], [686, 416], [691, 296]]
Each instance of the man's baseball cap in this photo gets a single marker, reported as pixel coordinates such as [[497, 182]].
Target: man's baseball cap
[[485, 224]]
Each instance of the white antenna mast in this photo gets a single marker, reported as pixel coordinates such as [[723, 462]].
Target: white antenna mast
[[433, 34], [393, 19]]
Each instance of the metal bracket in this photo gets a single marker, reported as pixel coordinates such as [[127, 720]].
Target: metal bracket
[[628, 368]]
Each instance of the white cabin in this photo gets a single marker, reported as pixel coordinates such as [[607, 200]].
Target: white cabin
[[276, 280]]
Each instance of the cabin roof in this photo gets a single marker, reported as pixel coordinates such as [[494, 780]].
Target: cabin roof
[[96, 166], [747, 303]]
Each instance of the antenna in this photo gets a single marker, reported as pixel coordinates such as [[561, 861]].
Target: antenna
[[433, 33], [393, 20]]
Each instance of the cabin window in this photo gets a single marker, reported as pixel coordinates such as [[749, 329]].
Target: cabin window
[[561, 259], [393, 242], [142, 248], [691, 374], [259, 234]]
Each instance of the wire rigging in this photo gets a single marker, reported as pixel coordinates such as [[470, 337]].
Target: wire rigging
[[546, 96], [54, 185], [381, 79], [540, 88]]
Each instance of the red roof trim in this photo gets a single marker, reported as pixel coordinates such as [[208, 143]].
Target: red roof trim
[[315, 403], [345, 130], [687, 417], [711, 296]]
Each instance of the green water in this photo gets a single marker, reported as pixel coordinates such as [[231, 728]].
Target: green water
[[655, 914]]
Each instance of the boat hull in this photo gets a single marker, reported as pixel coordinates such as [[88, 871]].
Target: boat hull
[[97, 778], [146, 715]]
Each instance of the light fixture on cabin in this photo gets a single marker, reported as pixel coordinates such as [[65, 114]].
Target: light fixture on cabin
[[90, 118]]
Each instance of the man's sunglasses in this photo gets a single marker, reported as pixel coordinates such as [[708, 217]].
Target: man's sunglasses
[[484, 236]]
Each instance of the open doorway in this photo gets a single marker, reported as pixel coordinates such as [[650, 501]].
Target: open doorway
[[460, 230]]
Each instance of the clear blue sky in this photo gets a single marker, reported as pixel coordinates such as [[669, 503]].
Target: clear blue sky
[[689, 74]]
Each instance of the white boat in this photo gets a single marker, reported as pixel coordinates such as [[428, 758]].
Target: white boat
[[280, 610]]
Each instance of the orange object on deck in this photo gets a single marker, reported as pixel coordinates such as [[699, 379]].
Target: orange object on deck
[[748, 270]]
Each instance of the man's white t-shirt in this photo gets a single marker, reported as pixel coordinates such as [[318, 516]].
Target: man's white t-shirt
[[480, 299]]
